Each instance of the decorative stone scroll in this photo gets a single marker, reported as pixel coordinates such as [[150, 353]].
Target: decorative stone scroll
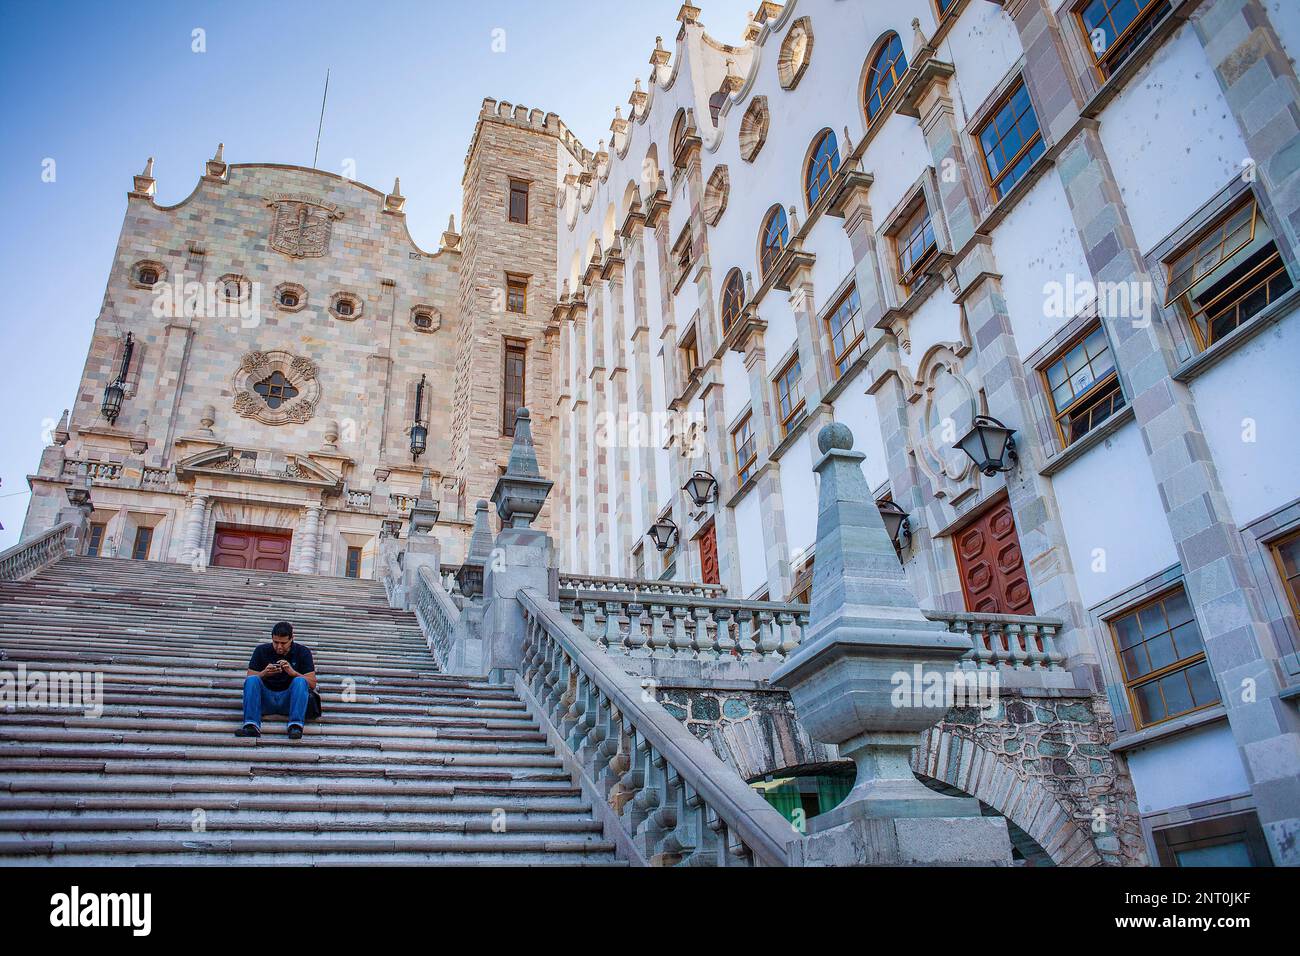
[[300, 373], [301, 225]]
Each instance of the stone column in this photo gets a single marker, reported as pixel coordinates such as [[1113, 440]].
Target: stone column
[[192, 541], [522, 556], [776, 544], [867, 638], [310, 544], [1258, 80]]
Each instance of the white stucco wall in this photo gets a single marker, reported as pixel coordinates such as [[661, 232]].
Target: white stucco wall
[[1252, 431], [1128, 525], [1194, 767]]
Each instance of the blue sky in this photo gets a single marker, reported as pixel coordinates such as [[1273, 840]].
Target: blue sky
[[97, 87]]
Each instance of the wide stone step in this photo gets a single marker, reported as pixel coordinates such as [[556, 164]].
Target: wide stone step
[[314, 806], [217, 823], [199, 789], [18, 773], [254, 850], [480, 742]]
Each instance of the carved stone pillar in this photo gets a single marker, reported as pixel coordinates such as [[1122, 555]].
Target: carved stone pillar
[[310, 543], [192, 542]]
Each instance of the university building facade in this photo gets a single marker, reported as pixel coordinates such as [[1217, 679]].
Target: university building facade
[[935, 221]]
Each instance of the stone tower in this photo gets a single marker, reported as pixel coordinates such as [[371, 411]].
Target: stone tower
[[507, 286]]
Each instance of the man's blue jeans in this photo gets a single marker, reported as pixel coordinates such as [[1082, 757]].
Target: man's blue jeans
[[260, 699]]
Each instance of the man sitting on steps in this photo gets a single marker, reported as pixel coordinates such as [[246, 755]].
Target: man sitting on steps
[[281, 678]]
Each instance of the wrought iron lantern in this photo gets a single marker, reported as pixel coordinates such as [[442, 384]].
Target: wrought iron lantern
[[702, 487], [419, 430], [896, 523], [990, 445], [663, 533], [116, 389]]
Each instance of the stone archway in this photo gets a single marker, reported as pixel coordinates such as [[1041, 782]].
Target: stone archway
[[962, 764]]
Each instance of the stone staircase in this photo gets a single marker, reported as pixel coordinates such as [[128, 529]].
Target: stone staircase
[[412, 767]]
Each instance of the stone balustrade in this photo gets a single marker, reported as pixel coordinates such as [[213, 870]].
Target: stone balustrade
[[357, 500], [669, 800], [1021, 643], [157, 478], [440, 619], [684, 627], [25, 559], [595, 582], [100, 472], [402, 503]]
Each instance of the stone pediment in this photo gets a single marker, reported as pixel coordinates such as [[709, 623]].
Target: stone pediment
[[228, 461]]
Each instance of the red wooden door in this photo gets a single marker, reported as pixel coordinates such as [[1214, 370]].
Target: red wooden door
[[992, 568], [709, 555], [251, 549]]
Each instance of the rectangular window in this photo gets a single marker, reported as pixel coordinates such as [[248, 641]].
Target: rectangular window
[[1010, 140], [1287, 553], [638, 563], [1227, 275], [845, 331], [1234, 840], [516, 294], [353, 567], [690, 352], [1082, 385], [518, 201], [1112, 29], [742, 443], [96, 540], [140, 548], [515, 367], [1163, 660], [789, 394], [915, 246]]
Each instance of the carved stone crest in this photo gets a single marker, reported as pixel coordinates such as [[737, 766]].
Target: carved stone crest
[[276, 388], [301, 226]]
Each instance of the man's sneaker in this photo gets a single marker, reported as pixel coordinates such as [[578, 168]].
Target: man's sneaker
[[295, 733], [248, 730]]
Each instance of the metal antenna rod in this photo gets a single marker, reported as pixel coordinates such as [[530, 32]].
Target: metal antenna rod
[[321, 125]]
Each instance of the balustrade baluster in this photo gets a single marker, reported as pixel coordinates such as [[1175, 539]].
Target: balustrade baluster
[[636, 636], [745, 631], [726, 643], [681, 641], [703, 643], [1018, 656], [769, 643], [612, 640], [659, 640], [788, 643]]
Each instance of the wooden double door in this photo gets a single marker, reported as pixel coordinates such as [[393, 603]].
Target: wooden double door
[[252, 549], [993, 577]]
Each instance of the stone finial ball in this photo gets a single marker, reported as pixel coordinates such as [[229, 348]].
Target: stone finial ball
[[835, 435], [482, 505], [523, 413]]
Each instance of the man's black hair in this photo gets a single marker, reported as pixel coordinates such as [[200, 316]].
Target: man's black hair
[[283, 629]]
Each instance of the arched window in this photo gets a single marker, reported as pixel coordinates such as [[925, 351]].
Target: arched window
[[716, 102], [678, 135], [887, 66], [822, 164], [733, 299], [776, 235]]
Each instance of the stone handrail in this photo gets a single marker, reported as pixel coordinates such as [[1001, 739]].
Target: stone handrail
[[25, 559], [700, 628], [685, 627], [671, 800], [570, 581], [1012, 640], [439, 618]]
